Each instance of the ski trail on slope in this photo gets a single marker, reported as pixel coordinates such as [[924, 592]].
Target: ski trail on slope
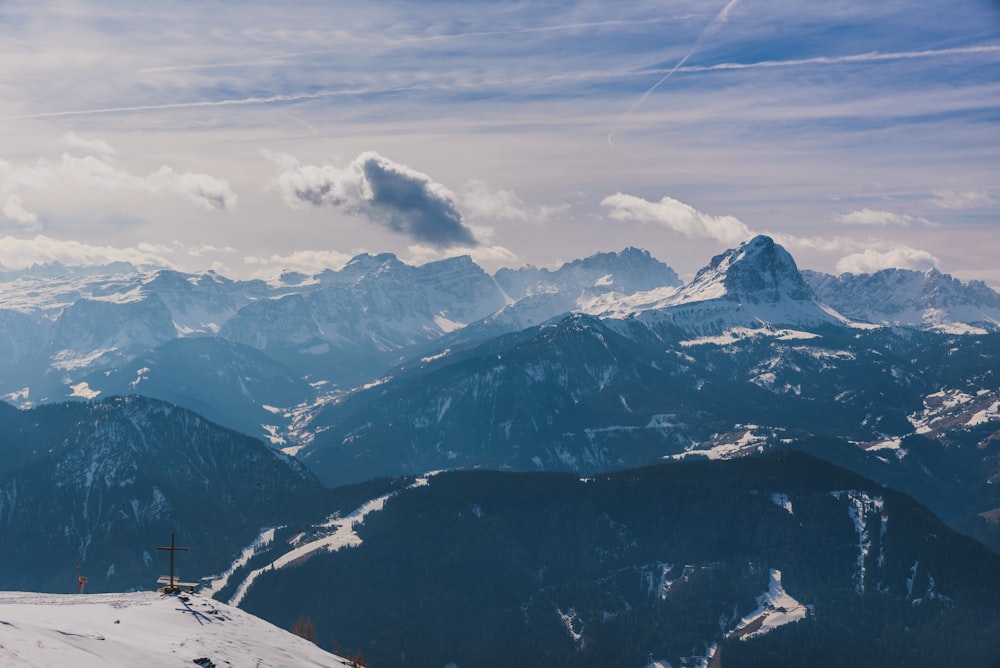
[[712, 28], [219, 582], [343, 535]]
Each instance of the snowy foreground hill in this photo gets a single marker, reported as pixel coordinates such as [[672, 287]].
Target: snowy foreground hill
[[144, 629]]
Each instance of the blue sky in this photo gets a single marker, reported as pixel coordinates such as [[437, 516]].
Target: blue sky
[[249, 137]]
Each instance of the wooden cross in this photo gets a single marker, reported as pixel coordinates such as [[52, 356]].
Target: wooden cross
[[171, 586]]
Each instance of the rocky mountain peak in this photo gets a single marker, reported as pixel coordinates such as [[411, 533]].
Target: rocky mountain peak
[[758, 271]]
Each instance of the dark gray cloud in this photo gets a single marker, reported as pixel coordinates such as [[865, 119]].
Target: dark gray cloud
[[412, 204], [389, 193]]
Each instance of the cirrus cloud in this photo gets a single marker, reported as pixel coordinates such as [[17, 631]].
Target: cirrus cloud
[[677, 216], [955, 199], [389, 193]]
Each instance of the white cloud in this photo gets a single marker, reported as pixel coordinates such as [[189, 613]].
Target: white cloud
[[872, 260], [197, 250], [677, 216], [20, 253], [100, 172], [490, 258], [389, 193], [881, 218], [13, 209], [88, 145], [305, 261], [482, 202], [825, 244], [208, 192]]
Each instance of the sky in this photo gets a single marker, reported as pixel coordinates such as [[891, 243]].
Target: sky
[[252, 137]]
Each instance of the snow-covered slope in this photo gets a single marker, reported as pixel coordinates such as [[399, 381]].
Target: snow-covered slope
[[144, 629], [903, 297], [755, 286]]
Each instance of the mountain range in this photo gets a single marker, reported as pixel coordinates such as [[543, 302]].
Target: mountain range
[[251, 417], [382, 368], [83, 332]]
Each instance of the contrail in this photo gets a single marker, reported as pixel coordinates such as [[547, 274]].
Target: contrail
[[709, 30], [869, 57], [272, 99]]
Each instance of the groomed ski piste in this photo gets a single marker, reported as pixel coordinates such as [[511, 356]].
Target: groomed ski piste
[[334, 534], [146, 629]]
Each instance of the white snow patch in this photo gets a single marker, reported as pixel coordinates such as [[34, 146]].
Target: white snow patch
[[953, 407], [83, 391], [985, 415], [376, 383], [775, 608], [735, 334], [659, 663], [570, 620], [607, 279], [440, 355], [893, 444], [445, 325], [728, 446], [140, 375], [723, 451], [71, 360], [272, 434], [17, 395], [860, 506]]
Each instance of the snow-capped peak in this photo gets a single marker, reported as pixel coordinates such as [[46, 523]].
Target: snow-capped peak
[[758, 271], [753, 287]]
